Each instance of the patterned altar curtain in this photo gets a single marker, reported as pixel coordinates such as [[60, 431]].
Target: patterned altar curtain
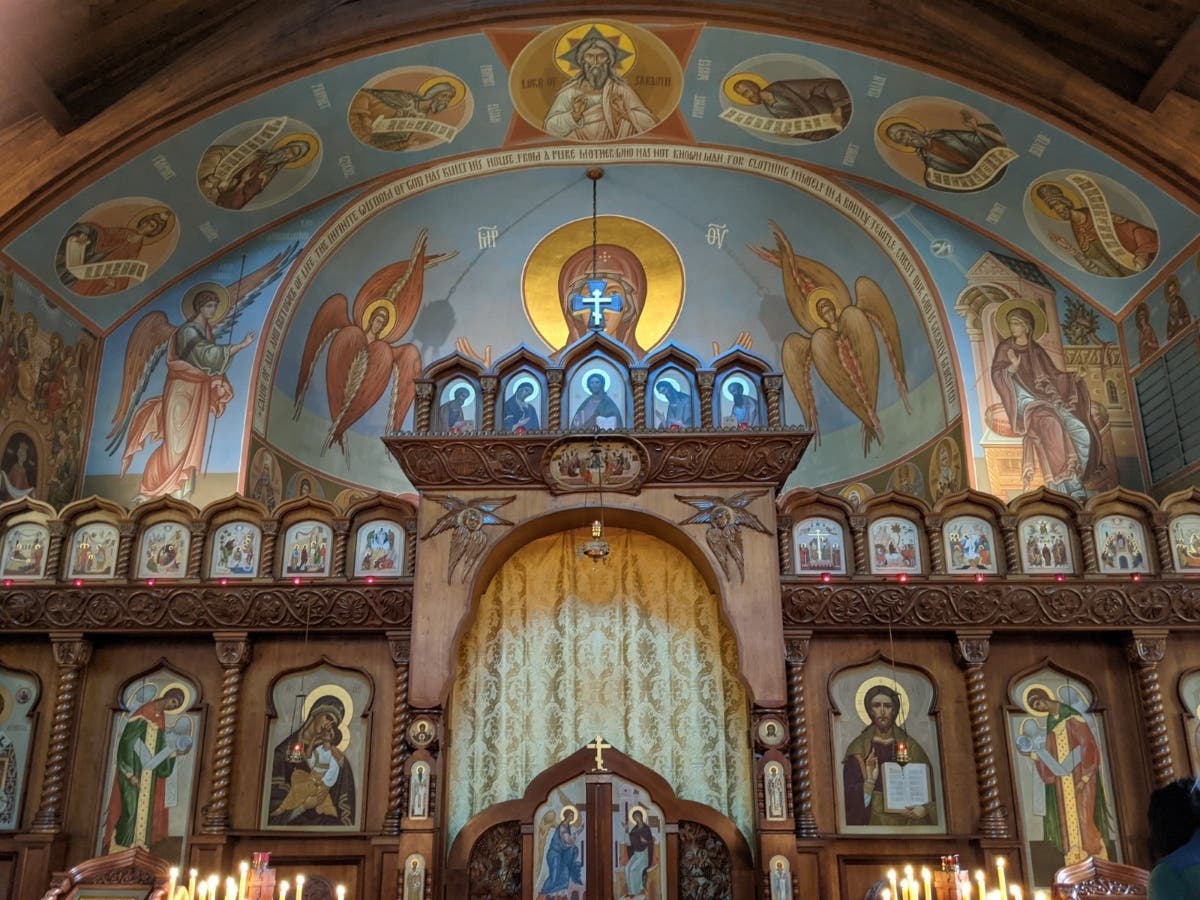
[[562, 648]]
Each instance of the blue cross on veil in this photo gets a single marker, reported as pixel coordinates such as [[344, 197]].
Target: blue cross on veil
[[595, 301]]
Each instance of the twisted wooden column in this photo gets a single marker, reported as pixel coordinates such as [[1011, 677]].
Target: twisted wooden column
[[488, 385], [783, 531], [196, 552], [71, 654], [340, 529], [233, 652], [398, 643], [554, 383], [1012, 553], [773, 388], [858, 532], [637, 377], [1087, 543], [57, 529], [797, 655], [1145, 651], [128, 531], [1162, 543], [266, 553], [706, 380], [971, 651], [424, 412], [937, 553]]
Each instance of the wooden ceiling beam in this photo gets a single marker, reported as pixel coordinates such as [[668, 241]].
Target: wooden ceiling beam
[[27, 82], [1173, 68]]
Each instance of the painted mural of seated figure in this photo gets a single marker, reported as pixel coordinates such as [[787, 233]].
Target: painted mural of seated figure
[[597, 411]]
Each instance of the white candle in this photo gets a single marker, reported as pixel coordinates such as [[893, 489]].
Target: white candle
[[341, 892], [299, 887], [231, 890], [284, 887], [1000, 876], [1015, 890], [191, 884], [926, 877], [203, 890], [887, 894], [892, 883], [174, 874], [243, 869], [982, 884]]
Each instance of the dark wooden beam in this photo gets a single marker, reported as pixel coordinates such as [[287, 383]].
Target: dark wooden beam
[[1173, 68], [26, 81]]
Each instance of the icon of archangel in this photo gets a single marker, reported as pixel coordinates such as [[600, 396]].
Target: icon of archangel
[[199, 353], [838, 337], [363, 354]]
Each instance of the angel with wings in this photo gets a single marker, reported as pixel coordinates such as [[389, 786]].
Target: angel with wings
[[195, 388], [838, 337], [467, 518], [362, 356], [725, 517]]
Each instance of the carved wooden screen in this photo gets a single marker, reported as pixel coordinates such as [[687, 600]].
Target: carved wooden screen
[[705, 871], [495, 867]]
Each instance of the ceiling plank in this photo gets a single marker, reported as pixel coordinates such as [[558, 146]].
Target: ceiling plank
[[1172, 69], [19, 71]]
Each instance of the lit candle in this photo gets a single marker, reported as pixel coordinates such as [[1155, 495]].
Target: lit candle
[[203, 890], [982, 884], [1000, 876], [243, 869], [887, 894], [174, 873], [1016, 892], [928, 879], [341, 892], [284, 887], [192, 884], [1040, 895], [965, 887], [231, 890], [213, 881], [892, 883], [299, 887]]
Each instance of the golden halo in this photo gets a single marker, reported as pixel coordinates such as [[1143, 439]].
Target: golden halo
[[734, 96], [150, 211], [339, 693], [1025, 698], [383, 304], [881, 131], [659, 259], [187, 695], [223, 300], [299, 137], [573, 36], [1069, 192], [9, 705], [818, 294], [886, 681], [639, 808], [1006, 308], [460, 89], [573, 808]]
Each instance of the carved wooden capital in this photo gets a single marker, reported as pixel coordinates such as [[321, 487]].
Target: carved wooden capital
[[233, 649], [1146, 648], [399, 644], [341, 526], [56, 527], [796, 649], [554, 376], [638, 375], [198, 528], [424, 389], [489, 384], [858, 523], [127, 528], [706, 379], [270, 526], [971, 648], [71, 650], [773, 382]]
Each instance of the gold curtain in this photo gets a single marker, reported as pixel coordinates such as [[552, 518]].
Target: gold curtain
[[562, 649]]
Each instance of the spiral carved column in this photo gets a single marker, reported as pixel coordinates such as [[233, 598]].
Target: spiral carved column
[[233, 652], [706, 380], [1162, 542], [57, 528], [1145, 651], [266, 562], [773, 388], [554, 383], [1012, 554], [1087, 543], [637, 377], [401, 715], [971, 651], [797, 655], [488, 386], [424, 414], [71, 654], [128, 531], [341, 528], [937, 554], [783, 531], [196, 554], [858, 531]]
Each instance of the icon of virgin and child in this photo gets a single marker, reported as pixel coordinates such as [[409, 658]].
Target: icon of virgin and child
[[312, 783]]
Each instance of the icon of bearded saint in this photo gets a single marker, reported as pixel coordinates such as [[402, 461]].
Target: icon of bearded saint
[[361, 353], [838, 338]]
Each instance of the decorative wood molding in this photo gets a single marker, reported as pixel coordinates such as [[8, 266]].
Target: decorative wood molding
[[672, 458], [467, 519], [233, 652], [1145, 650], [400, 646], [725, 517], [998, 604], [796, 649], [265, 607], [971, 650], [71, 654]]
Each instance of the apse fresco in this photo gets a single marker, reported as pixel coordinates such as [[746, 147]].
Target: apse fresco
[[883, 238]]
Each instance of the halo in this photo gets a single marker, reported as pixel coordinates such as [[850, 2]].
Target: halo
[[149, 211], [820, 294], [664, 379], [383, 304], [731, 80], [886, 681], [1025, 697], [340, 693], [1002, 313], [299, 137], [659, 259], [595, 370], [570, 38], [449, 390], [224, 302], [882, 128], [9, 704], [639, 808], [460, 89], [187, 695], [521, 379], [747, 388], [1069, 192], [573, 808]]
